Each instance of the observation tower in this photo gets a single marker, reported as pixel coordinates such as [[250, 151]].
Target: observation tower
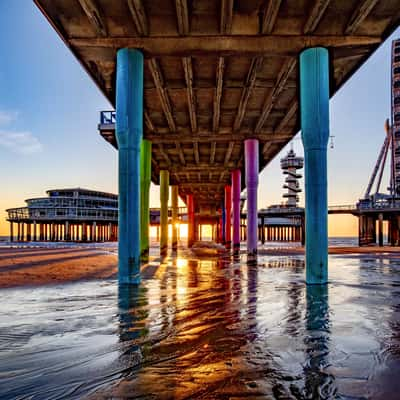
[[290, 164]]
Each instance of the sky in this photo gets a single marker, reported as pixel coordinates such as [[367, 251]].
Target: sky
[[49, 111]]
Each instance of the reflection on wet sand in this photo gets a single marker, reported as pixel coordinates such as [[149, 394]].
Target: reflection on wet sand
[[209, 344], [209, 329], [318, 382]]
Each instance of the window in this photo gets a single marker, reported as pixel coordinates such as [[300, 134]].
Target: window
[[396, 70], [396, 100], [397, 117], [396, 50], [397, 134], [397, 59], [396, 84]]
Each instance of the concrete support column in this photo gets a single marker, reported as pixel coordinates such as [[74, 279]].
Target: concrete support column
[[34, 231], [22, 231], [67, 233], [129, 132], [52, 232], [84, 232], [28, 232], [223, 222], [228, 216], [11, 231], [314, 108], [94, 236], [174, 203], [262, 231], [394, 231], [191, 227], [380, 229], [236, 187], [164, 195], [251, 166], [145, 178]]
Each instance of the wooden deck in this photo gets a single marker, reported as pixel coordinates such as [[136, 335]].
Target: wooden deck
[[218, 72]]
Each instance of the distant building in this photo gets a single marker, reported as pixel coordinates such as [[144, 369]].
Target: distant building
[[68, 215], [289, 165], [285, 222]]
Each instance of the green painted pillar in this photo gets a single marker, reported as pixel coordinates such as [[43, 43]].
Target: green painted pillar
[[164, 195], [145, 178], [314, 108], [129, 131]]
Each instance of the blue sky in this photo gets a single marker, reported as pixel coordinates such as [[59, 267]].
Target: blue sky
[[49, 110]]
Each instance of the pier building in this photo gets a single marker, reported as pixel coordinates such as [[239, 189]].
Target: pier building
[[206, 94], [66, 215]]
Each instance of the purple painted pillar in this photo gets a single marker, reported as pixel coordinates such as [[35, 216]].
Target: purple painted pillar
[[251, 164], [235, 177]]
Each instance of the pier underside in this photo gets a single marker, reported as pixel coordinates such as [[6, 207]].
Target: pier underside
[[217, 73]]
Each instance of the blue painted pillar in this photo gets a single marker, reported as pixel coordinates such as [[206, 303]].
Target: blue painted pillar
[[314, 108], [129, 131]]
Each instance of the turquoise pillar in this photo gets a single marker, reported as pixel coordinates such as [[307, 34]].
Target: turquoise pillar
[[129, 131], [145, 178], [314, 108]]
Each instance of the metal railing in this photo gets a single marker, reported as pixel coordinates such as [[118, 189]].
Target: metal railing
[[280, 210], [342, 208], [61, 214]]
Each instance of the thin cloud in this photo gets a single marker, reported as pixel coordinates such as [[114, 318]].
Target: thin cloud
[[20, 142], [7, 116]]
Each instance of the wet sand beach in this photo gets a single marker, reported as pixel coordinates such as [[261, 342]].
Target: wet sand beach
[[203, 329], [42, 266], [24, 266]]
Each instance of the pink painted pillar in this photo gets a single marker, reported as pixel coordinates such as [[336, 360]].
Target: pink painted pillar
[[251, 166], [235, 177], [228, 209]]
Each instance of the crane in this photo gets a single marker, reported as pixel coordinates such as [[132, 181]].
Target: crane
[[380, 163]]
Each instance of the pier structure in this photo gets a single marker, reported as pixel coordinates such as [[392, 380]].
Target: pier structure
[[78, 215], [376, 207], [214, 85]]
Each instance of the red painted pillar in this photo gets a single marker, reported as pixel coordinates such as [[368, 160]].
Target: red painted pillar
[[228, 208]]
